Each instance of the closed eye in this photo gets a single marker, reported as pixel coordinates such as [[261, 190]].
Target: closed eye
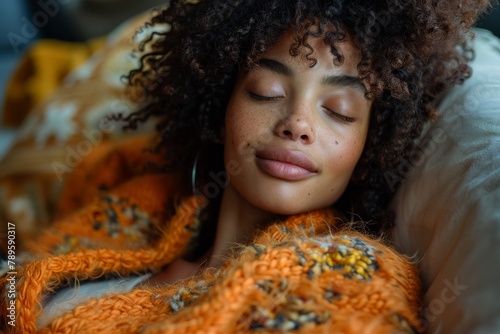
[[338, 116], [258, 97]]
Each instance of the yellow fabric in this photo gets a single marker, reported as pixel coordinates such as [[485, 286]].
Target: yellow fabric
[[40, 72]]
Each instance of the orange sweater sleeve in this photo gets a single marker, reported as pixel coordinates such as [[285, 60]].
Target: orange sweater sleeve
[[125, 217], [108, 166], [112, 200]]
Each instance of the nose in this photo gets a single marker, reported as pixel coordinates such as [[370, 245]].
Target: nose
[[296, 127]]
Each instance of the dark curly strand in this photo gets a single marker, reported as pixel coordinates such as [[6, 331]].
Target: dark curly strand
[[412, 52]]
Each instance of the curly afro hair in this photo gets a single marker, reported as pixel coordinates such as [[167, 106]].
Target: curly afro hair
[[412, 52]]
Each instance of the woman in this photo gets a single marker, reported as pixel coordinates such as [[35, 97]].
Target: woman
[[270, 113]]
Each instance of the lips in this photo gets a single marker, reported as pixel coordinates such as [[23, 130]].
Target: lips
[[286, 164]]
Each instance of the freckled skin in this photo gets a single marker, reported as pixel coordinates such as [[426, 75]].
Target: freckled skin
[[297, 120]]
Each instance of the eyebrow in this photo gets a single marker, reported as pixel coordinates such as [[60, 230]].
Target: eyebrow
[[331, 80], [275, 66], [345, 81]]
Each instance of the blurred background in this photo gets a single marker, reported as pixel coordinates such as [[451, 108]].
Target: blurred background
[[24, 21]]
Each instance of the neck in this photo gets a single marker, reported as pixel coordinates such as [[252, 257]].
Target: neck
[[237, 222]]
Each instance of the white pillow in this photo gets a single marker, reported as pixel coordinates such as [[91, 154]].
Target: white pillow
[[448, 208]]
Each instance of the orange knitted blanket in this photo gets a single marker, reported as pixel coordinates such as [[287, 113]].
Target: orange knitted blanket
[[306, 273]]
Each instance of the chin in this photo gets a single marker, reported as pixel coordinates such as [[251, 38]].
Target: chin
[[286, 207]]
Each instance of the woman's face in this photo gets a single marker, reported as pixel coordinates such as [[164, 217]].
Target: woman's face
[[294, 133]]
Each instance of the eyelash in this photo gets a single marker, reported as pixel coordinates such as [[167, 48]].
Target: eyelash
[[342, 118], [258, 97], [331, 113]]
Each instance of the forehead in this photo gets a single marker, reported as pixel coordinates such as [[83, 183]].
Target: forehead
[[314, 48]]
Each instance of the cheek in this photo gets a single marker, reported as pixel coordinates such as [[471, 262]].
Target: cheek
[[344, 155], [233, 125], [238, 130], [245, 127], [237, 117]]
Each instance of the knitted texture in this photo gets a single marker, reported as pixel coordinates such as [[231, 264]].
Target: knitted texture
[[306, 273]]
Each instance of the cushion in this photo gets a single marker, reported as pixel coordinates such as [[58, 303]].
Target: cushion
[[62, 109], [447, 209]]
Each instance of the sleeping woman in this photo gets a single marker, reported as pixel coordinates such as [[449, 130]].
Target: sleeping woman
[[279, 123]]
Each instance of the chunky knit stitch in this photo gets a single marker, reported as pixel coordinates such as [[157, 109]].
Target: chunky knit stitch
[[305, 273]]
